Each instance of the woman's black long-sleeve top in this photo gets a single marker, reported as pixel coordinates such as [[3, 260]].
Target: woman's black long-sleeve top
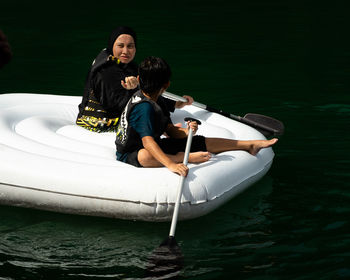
[[105, 98]]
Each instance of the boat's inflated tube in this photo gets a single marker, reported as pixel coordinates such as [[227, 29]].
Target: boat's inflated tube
[[48, 162]]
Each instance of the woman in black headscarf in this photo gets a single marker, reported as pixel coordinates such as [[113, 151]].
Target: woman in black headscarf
[[112, 81]]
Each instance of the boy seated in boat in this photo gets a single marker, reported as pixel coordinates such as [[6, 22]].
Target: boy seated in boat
[[142, 123]]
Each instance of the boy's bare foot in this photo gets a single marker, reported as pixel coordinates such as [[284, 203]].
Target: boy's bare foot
[[261, 144], [198, 157]]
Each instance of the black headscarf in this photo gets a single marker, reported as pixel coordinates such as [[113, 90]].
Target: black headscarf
[[116, 33]]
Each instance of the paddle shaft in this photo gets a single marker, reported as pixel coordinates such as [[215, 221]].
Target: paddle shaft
[[247, 121], [181, 184]]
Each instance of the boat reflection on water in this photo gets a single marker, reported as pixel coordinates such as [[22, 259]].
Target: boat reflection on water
[[69, 246], [168, 261]]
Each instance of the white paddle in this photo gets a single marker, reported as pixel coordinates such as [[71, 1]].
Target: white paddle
[[167, 258], [265, 124], [171, 239]]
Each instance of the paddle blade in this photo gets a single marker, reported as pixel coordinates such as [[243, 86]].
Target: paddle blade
[[165, 261], [267, 125]]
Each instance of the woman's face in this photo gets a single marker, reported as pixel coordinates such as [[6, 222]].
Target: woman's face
[[124, 48]]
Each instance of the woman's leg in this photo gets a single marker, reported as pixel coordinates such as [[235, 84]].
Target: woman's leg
[[218, 145]]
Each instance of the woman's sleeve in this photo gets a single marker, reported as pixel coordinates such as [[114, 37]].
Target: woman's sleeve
[[167, 103], [164, 103], [109, 91]]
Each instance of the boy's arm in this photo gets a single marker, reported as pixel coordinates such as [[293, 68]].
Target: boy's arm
[[176, 132], [153, 148], [179, 132]]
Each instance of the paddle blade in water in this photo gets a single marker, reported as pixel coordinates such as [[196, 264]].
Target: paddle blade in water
[[273, 127], [166, 261]]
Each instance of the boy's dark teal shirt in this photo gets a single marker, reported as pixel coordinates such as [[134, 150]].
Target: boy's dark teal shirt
[[141, 119]]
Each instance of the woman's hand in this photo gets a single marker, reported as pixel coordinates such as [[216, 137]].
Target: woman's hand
[[180, 104], [130, 82], [192, 125]]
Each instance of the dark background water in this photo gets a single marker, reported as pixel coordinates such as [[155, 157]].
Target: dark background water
[[286, 59]]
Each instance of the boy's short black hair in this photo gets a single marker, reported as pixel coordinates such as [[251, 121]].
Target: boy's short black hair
[[154, 73]]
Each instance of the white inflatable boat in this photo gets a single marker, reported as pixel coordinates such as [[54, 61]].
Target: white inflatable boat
[[47, 162]]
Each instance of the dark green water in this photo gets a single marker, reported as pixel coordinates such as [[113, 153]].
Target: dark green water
[[286, 59]]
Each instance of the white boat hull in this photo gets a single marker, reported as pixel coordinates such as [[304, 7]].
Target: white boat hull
[[47, 162]]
